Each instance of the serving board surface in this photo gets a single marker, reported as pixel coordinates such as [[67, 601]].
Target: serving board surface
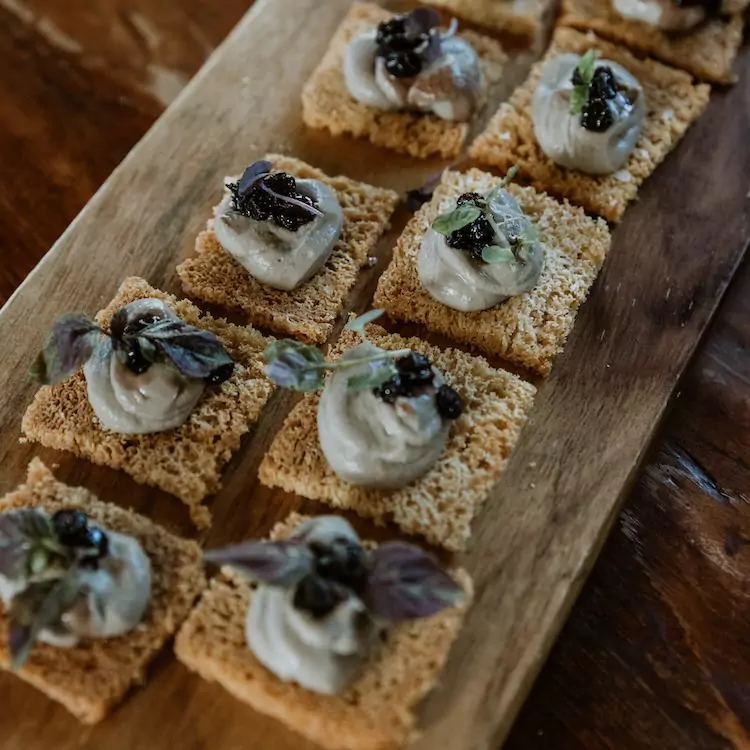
[[540, 531]]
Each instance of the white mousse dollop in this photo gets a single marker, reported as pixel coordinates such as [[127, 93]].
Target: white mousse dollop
[[161, 398], [451, 86], [281, 258], [320, 654], [663, 14], [456, 279], [114, 594], [370, 442], [560, 133]]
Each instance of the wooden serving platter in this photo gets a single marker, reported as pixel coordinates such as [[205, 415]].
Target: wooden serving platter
[[539, 533]]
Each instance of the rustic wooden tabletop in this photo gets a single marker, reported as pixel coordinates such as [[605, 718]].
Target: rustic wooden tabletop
[[655, 653]]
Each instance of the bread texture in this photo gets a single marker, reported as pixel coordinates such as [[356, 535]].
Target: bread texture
[[530, 329], [441, 504], [310, 311], [374, 713], [186, 461], [518, 17], [673, 103], [93, 677], [327, 104], [707, 52]]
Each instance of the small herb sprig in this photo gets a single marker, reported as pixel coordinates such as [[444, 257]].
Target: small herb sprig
[[582, 78], [466, 213], [301, 367], [31, 549], [400, 581], [192, 351]]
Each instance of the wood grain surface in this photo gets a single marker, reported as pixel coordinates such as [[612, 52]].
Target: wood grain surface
[[654, 653]]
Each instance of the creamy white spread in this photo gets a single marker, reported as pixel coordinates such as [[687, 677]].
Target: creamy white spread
[[161, 398], [451, 86], [369, 442], [560, 133], [455, 279], [322, 655], [663, 14], [113, 600], [275, 256]]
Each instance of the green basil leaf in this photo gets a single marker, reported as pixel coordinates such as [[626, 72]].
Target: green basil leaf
[[283, 563], [449, 222], [497, 254], [587, 66]]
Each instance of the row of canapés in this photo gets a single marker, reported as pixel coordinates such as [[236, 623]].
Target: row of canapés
[[333, 637]]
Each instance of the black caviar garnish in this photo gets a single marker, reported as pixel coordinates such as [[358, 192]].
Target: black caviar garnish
[[597, 114], [273, 197], [318, 596], [73, 530], [415, 373], [408, 42], [473, 237], [221, 373]]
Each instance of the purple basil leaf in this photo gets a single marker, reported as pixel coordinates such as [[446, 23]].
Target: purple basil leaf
[[406, 583], [194, 352], [275, 563], [39, 606], [420, 21], [18, 530], [251, 175], [69, 344]]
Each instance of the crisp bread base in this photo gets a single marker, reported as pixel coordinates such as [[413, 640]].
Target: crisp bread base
[[186, 461], [441, 504], [673, 103], [91, 678], [310, 311], [707, 52], [517, 17], [530, 329], [374, 713], [327, 104]]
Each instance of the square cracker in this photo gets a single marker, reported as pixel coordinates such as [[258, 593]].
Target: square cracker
[[310, 311], [327, 104], [186, 461], [673, 103], [530, 329], [91, 678], [518, 17], [707, 52], [374, 713], [441, 504]]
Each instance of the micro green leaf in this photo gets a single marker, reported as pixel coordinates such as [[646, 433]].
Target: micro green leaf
[[451, 221], [292, 364], [379, 373], [587, 65], [509, 176], [496, 254]]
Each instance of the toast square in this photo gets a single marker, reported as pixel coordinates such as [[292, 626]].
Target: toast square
[[707, 52], [327, 104], [186, 461], [93, 677], [530, 329], [310, 311], [673, 104], [518, 17], [441, 504], [374, 713]]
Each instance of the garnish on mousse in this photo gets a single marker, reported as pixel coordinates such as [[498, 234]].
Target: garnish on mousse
[[63, 579], [281, 229], [383, 417], [408, 64], [324, 599], [587, 113], [481, 252], [145, 374]]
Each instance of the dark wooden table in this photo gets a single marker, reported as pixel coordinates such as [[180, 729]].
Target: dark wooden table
[[657, 650]]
